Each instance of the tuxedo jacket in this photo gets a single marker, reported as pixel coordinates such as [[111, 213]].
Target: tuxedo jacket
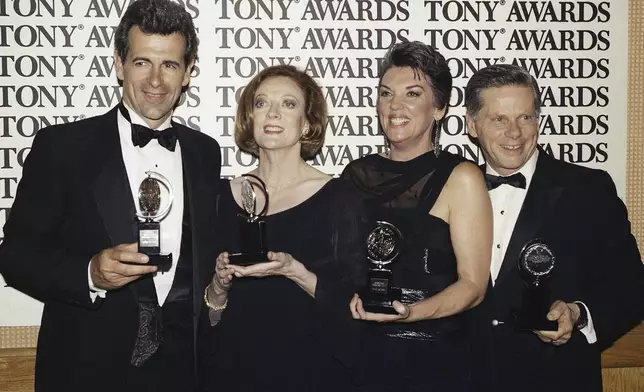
[[577, 213], [73, 201]]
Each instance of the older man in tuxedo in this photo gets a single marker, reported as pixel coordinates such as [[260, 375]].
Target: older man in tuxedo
[[108, 325], [595, 290]]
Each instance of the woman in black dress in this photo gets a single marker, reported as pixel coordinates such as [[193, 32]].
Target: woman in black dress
[[283, 325], [439, 203]]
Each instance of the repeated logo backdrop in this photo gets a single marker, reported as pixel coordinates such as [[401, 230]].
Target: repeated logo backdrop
[[56, 66]]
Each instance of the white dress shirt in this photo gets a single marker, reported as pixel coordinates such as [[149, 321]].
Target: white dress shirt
[[506, 205], [167, 163]]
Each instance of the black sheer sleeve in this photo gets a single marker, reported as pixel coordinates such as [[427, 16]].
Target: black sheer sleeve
[[343, 275], [346, 273]]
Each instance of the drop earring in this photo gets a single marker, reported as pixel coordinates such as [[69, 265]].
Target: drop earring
[[437, 136]]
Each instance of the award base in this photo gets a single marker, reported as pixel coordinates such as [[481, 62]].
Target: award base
[[149, 237], [381, 303], [163, 262], [245, 259], [380, 294], [253, 244], [149, 234], [532, 314]]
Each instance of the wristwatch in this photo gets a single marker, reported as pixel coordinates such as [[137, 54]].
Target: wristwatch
[[582, 320]]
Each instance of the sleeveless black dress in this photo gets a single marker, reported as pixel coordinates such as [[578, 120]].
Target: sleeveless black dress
[[430, 355], [273, 336]]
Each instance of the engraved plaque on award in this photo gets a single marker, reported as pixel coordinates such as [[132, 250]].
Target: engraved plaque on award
[[252, 229], [383, 246], [150, 216], [536, 264]]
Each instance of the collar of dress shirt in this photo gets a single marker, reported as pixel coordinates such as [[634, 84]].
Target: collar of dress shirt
[[527, 170], [136, 119]]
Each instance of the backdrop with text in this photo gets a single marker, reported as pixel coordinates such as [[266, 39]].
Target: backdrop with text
[[56, 66]]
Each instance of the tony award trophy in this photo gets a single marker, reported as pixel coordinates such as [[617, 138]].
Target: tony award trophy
[[383, 246], [536, 263], [150, 216], [252, 230]]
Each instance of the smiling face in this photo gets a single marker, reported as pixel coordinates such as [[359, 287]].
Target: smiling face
[[278, 114], [506, 126], [406, 107], [153, 74]]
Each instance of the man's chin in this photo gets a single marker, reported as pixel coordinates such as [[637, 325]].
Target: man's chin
[[510, 168], [156, 115]]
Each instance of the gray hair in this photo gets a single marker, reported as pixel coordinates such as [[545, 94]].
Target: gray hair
[[499, 75]]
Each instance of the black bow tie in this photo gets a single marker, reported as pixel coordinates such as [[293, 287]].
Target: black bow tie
[[516, 180], [141, 135]]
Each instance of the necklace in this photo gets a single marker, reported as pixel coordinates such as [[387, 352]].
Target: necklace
[[276, 188]]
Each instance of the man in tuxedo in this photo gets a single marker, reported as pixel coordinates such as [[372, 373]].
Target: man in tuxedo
[[596, 287], [107, 325]]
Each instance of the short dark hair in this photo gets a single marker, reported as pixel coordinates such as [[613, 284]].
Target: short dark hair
[[161, 17], [499, 75], [424, 58], [315, 110]]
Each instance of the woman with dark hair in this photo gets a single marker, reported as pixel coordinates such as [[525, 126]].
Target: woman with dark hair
[[439, 204], [279, 325]]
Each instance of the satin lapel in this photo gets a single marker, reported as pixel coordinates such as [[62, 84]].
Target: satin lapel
[[192, 177], [540, 199], [111, 188]]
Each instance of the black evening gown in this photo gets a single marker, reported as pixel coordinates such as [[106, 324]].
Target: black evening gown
[[273, 336], [430, 355]]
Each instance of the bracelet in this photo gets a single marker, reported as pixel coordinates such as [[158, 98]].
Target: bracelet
[[211, 306]]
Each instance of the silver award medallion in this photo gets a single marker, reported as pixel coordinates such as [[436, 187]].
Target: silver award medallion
[[383, 243], [249, 199], [150, 197], [537, 261]]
